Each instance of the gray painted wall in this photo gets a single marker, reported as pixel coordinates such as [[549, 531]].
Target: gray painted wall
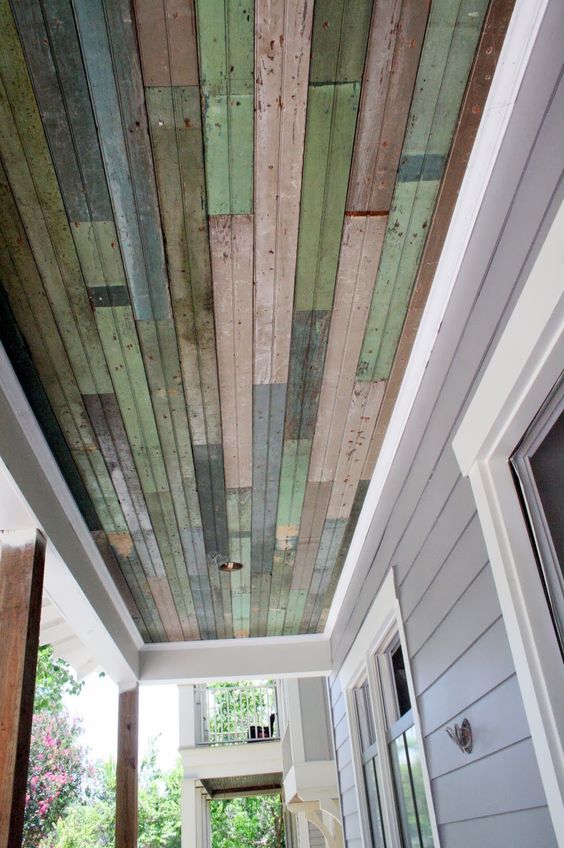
[[426, 525], [316, 721]]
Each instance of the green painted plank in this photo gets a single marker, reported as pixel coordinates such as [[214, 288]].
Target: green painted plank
[[324, 599], [330, 128], [451, 39], [283, 563], [226, 59], [176, 134], [32, 177], [118, 101], [50, 42], [339, 40], [121, 346], [293, 479], [28, 376], [268, 429], [310, 335], [296, 604], [330, 544]]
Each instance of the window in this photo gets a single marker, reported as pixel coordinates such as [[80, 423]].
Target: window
[[538, 463], [392, 783], [397, 741]]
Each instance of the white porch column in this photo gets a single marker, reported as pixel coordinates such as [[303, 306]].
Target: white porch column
[[188, 814]]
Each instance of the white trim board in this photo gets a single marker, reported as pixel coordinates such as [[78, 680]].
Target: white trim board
[[383, 617], [516, 52], [524, 366], [236, 659]]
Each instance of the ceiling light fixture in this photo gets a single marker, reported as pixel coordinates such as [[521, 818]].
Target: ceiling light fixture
[[230, 566]]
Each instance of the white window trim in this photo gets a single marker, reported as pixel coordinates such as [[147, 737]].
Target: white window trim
[[525, 365], [383, 618]]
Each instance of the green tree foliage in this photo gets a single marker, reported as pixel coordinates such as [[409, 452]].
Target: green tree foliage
[[247, 822], [54, 680], [58, 770], [92, 825]]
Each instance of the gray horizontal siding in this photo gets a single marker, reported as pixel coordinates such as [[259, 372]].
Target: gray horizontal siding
[[345, 767], [528, 829], [426, 527]]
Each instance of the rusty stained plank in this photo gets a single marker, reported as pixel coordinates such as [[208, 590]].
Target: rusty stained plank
[[481, 75], [394, 49], [360, 252], [316, 502], [167, 42], [282, 52], [361, 421], [127, 584], [231, 240]]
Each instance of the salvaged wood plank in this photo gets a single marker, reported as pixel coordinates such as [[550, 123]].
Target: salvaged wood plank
[[31, 174], [293, 481], [446, 58], [176, 134], [360, 252], [226, 58], [331, 120], [329, 546], [394, 50], [231, 240], [310, 334], [487, 54], [22, 563], [167, 42], [340, 34], [127, 775], [111, 59], [269, 402], [361, 421], [314, 513], [50, 41], [283, 40]]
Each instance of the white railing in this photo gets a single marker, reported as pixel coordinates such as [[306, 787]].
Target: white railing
[[227, 714]]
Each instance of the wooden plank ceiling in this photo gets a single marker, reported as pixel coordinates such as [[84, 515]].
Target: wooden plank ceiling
[[212, 221]]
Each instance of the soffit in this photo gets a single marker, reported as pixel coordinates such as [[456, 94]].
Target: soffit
[[212, 222]]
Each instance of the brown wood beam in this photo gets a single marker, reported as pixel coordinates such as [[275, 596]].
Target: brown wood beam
[[126, 771], [22, 564]]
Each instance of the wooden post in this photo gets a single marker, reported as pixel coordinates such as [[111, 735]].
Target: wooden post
[[22, 564], [126, 770]]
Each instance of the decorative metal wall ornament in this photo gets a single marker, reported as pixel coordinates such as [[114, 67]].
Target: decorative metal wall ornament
[[461, 735]]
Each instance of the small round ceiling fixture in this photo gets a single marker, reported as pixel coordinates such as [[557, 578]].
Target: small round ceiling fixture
[[230, 566]]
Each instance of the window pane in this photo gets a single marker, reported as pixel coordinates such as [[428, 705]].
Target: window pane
[[400, 680], [418, 788], [406, 805], [365, 720], [374, 806]]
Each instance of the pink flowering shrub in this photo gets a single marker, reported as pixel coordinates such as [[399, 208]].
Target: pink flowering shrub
[[58, 773]]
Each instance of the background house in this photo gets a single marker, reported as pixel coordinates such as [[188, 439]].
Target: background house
[[283, 287]]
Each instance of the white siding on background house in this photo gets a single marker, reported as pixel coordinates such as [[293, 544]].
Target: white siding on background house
[[425, 525]]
